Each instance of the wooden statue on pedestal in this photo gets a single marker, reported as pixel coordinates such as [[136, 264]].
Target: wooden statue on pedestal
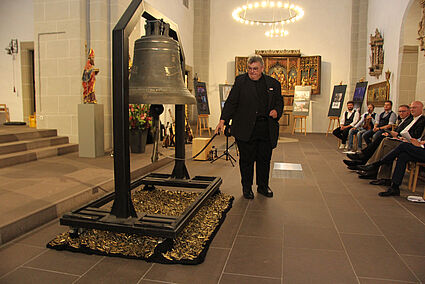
[[89, 79]]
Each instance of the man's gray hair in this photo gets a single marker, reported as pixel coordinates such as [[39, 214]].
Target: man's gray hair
[[255, 58]]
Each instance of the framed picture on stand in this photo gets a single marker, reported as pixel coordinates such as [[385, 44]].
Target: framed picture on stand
[[201, 98], [302, 100], [359, 94], [337, 100], [224, 93]]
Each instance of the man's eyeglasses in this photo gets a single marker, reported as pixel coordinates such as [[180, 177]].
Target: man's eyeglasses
[[253, 69]]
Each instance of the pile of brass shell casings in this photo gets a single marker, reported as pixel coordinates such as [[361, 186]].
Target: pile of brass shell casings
[[187, 245]]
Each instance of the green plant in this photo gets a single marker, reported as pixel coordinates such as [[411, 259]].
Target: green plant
[[138, 117]]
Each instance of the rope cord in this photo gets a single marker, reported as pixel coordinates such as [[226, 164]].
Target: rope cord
[[193, 157]]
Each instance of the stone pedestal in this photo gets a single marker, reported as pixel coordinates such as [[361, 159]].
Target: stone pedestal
[[90, 130]]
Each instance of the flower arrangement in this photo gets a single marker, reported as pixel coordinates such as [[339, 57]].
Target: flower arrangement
[[138, 117]]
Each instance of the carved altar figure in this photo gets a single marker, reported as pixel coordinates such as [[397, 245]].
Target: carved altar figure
[[377, 54], [421, 29], [89, 79]]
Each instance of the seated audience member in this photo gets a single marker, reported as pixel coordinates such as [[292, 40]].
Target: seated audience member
[[415, 130], [404, 119], [349, 119], [404, 152], [383, 122], [365, 124]]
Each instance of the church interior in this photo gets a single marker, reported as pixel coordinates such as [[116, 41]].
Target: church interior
[[110, 173]]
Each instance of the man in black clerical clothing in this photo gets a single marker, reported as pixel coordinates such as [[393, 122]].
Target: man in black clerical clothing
[[254, 105], [348, 120]]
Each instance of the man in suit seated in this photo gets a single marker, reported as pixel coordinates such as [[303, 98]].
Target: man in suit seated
[[383, 173], [405, 152], [404, 119]]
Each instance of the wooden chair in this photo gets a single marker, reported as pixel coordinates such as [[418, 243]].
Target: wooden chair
[[3, 108], [413, 177], [301, 128]]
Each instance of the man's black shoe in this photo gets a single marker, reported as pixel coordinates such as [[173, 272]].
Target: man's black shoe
[[356, 156], [392, 191], [386, 182], [266, 191], [353, 162], [370, 167], [354, 168], [247, 192], [367, 175]]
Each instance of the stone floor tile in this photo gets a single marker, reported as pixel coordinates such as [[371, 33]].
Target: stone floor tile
[[227, 233], [373, 256], [235, 278], [417, 265], [301, 236], [316, 266], [41, 236], [26, 275], [261, 224], [64, 261], [15, 255], [116, 270], [207, 272], [264, 255], [353, 223], [406, 234]]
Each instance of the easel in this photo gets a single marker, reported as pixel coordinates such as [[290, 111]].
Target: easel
[[301, 128], [203, 120], [332, 120]]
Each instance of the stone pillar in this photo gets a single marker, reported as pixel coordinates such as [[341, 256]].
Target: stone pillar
[[408, 74], [359, 44], [201, 44]]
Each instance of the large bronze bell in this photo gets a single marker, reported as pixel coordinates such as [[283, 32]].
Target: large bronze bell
[[156, 76]]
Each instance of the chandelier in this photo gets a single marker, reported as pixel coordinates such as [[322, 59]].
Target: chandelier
[[275, 14]]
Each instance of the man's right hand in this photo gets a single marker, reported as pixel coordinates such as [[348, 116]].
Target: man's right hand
[[375, 129], [394, 134], [220, 127]]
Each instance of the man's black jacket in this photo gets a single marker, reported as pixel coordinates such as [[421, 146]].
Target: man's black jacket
[[416, 130], [241, 107]]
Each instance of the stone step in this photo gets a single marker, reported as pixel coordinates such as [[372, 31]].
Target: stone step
[[25, 145], [11, 159], [26, 134]]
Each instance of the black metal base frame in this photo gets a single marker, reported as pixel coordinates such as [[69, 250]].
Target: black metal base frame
[[93, 217]]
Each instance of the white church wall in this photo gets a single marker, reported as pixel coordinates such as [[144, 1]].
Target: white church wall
[[16, 22], [325, 30], [388, 19]]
